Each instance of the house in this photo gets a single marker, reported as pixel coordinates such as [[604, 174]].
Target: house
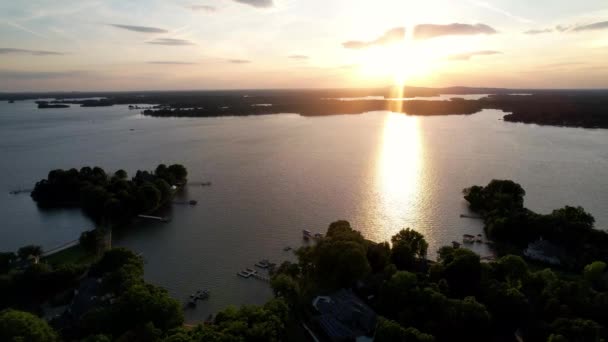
[[543, 250], [344, 317]]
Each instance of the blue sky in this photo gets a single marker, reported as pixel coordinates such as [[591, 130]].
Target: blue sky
[[223, 44]]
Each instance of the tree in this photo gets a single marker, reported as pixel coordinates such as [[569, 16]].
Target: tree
[[148, 197], [595, 274], [121, 174], [408, 245], [462, 270], [340, 263], [577, 329], [114, 259], [23, 326], [378, 256], [501, 195], [6, 259], [142, 304], [28, 251], [389, 331], [286, 287], [91, 240], [179, 172]]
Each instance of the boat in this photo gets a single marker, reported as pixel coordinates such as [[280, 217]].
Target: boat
[[467, 238], [192, 202], [246, 273], [192, 302], [287, 248], [243, 274], [202, 294], [263, 263], [478, 238]]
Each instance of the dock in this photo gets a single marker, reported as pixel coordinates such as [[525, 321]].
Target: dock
[[20, 191], [471, 216], [158, 218]]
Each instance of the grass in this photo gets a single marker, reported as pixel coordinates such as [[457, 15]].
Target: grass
[[74, 255]]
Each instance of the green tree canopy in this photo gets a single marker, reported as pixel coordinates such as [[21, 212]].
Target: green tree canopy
[[23, 326]]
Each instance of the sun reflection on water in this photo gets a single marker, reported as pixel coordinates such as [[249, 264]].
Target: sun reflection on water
[[398, 174]]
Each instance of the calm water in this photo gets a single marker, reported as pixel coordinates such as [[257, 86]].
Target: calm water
[[278, 174]]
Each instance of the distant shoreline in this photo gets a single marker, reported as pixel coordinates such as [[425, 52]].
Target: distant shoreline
[[569, 108]]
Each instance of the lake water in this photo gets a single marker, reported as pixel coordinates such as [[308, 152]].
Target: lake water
[[275, 175]]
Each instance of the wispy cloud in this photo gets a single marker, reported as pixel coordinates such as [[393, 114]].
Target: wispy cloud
[[12, 51], [39, 75], [171, 63], [468, 55], [257, 3], [602, 25], [170, 42], [298, 57], [142, 29], [24, 29], [541, 31], [495, 9], [591, 27], [205, 8], [428, 31], [239, 61], [391, 36]]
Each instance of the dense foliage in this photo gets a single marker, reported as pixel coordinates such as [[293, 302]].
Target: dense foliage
[[513, 227], [23, 326], [109, 197], [456, 298]]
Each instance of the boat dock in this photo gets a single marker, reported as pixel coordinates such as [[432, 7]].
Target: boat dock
[[20, 191], [471, 216], [158, 218]]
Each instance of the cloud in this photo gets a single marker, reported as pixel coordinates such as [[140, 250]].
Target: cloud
[[468, 55], [391, 36], [298, 57], [538, 31], [602, 25], [428, 31], [143, 29], [239, 61], [257, 3], [7, 51], [205, 8], [490, 7], [170, 42], [170, 63], [39, 75]]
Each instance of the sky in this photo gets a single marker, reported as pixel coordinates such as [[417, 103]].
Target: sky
[[90, 45]]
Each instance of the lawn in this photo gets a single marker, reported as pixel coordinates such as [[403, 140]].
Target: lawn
[[75, 255]]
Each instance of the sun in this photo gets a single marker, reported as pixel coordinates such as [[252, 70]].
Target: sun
[[405, 62]]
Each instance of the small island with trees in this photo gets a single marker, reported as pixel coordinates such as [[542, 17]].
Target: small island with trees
[[113, 198]]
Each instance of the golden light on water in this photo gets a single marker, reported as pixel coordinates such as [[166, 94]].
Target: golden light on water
[[399, 171]]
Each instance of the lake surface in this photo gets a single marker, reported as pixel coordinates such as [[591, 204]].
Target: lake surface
[[275, 175]]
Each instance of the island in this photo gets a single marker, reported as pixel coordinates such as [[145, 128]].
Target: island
[[47, 105], [114, 198]]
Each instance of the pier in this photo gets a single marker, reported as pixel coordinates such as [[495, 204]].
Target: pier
[[471, 216], [158, 218]]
